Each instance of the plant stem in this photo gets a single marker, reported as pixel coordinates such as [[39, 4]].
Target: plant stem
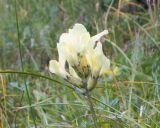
[[94, 118], [22, 68]]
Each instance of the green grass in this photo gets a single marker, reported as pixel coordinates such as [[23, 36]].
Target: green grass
[[30, 96]]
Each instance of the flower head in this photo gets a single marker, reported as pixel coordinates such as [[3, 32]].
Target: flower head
[[83, 55]]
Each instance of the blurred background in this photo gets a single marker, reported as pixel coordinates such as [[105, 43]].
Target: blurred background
[[129, 99]]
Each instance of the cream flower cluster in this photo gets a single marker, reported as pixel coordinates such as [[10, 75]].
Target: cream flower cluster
[[81, 58]]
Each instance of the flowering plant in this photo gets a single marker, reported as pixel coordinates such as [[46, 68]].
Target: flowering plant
[[81, 58]]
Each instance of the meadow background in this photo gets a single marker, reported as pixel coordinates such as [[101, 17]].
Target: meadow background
[[29, 31]]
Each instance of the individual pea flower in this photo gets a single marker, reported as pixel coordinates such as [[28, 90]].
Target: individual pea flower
[[81, 58], [98, 63], [58, 68]]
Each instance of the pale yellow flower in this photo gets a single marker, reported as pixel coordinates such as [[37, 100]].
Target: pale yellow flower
[[83, 55], [98, 62], [76, 42], [57, 68]]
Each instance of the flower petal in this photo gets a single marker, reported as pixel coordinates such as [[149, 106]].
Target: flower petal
[[80, 37], [73, 43], [73, 73], [105, 66], [98, 36], [57, 68], [78, 28], [95, 59], [91, 83]]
